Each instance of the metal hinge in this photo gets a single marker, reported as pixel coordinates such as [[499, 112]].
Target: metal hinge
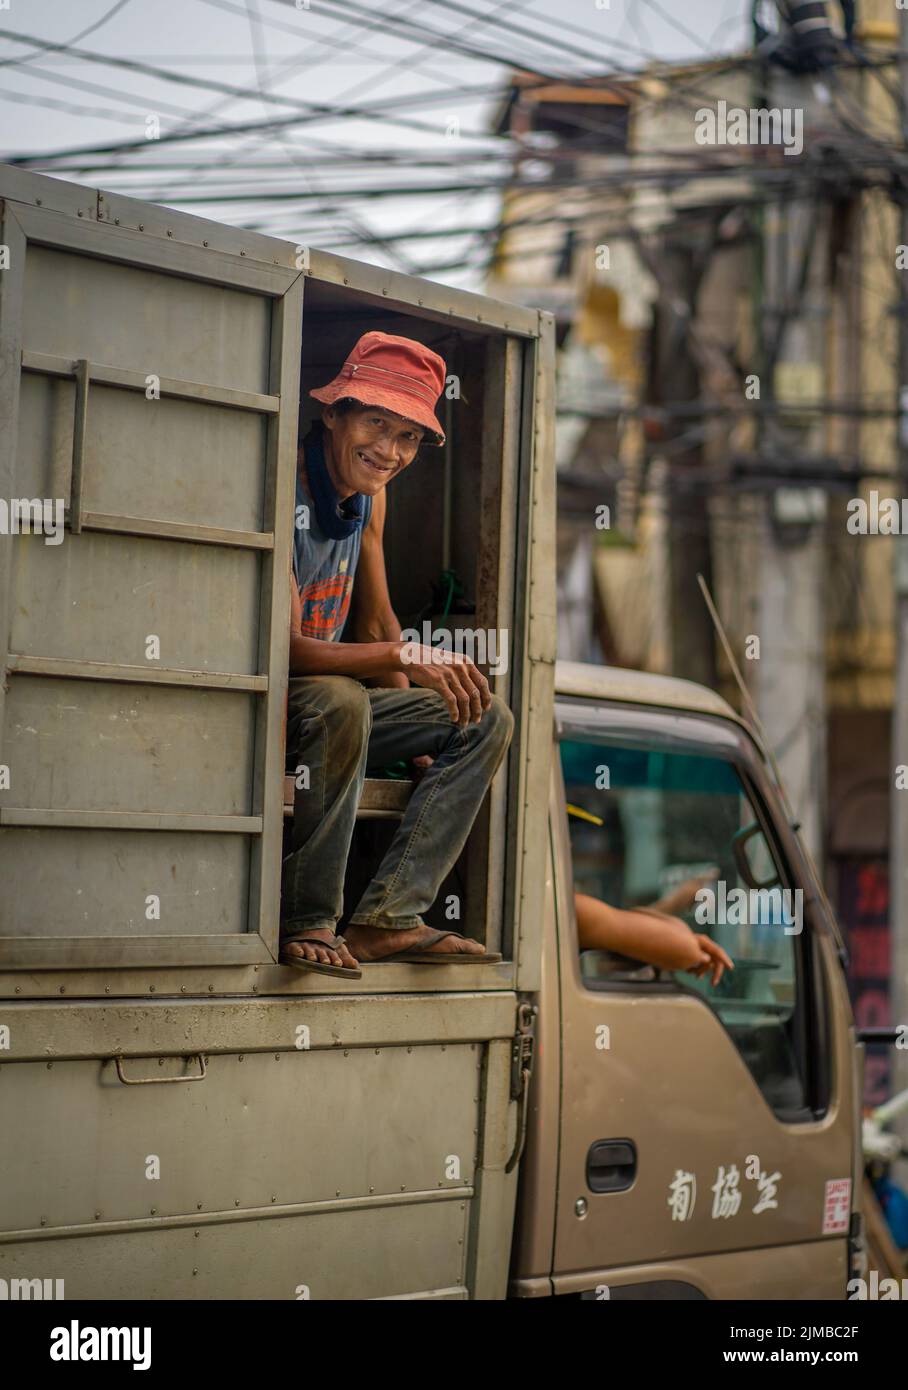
[[522, 1054]]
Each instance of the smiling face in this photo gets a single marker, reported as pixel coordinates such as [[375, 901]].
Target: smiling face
[[366, 446]]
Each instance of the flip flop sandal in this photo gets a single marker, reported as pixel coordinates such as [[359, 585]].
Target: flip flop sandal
[[301, 963], [419, 955]]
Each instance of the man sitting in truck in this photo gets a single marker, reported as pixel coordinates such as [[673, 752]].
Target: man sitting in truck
[[376, 413]]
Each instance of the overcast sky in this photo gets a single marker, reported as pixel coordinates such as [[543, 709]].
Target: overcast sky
[[317, 51]]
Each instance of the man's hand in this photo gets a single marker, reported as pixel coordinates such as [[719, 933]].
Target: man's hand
[[460, 683], [713, 959]]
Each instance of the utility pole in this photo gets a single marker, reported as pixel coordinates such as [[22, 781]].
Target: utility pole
[[676, 377], [790, 676], [898, 843]]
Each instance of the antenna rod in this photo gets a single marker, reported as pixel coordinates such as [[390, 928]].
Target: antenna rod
[[745, 693]]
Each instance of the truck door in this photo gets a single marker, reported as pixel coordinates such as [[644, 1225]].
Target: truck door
[[150, 391], [706, 1132]]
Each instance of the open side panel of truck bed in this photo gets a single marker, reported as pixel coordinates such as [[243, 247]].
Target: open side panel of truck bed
[[150, 390]]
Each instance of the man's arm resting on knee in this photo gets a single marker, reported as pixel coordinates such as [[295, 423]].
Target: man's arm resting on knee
[[461, 685]]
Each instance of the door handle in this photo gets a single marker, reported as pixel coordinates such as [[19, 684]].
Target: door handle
[[161, 1080], [611, 1165]]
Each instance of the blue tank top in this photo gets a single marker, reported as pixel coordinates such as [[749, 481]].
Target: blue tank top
[[326, 543]]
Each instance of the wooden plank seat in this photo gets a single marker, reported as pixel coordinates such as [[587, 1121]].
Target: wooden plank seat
[[382, 797]]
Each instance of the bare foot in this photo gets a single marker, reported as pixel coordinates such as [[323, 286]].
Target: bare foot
[[322, 955], [374, 943]]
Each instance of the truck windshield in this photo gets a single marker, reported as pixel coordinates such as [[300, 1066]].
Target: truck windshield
[[655, 825]]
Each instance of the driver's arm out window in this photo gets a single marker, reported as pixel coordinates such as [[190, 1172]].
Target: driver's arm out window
[[651, 826]]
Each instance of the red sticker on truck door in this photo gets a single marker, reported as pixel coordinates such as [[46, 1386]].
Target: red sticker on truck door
[[837, 1207]]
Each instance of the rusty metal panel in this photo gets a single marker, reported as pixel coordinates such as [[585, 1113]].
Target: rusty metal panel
[[114, 592], [363, 1116], [168, 459], [145, 678], [134, 317], [289, 1127], [93, 746], [407, 1249], [78, 883]]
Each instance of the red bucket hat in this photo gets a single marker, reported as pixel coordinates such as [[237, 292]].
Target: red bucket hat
[[400, 374]]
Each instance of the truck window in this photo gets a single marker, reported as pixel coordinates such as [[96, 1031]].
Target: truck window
[[650, 822]]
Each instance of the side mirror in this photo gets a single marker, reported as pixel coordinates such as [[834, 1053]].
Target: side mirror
[[754, 862]]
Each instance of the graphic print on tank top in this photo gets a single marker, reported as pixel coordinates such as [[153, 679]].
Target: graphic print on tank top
[[325, 554]]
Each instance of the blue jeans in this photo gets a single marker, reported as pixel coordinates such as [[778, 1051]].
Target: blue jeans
[[339, 730]]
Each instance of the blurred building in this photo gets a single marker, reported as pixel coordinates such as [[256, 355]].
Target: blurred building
[[728, 378]]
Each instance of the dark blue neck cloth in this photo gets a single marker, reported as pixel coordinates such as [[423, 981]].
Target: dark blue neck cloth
[[337, 519]]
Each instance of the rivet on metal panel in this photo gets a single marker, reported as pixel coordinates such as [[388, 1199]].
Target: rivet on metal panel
[[79, 214], [204, 243], [196, 1233], [169, 232], [236, 1201], [151, 989], [255, 989], [154, 1211], [378, 1052], [62, 989], [195, 1271], [409, 1049], [371, 1189], [97, 1216], [18, 989], [211, 989], [198, 1206], [346, 1053], [49, 1065], [182, 989], [402, 1188], [419, 302], [346, 281], [37, 202], [337, 1192], [160, 1061], [107, 989], [240, 1058], [116, 221], [141, 226], [277, 1056], [384, 291], [274, 1198], [242, 253], [43, 1220]]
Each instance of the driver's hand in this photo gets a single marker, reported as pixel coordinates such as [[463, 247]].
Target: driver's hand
[[712, 958]]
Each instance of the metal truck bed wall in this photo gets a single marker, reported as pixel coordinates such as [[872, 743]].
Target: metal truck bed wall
[[152, 366]]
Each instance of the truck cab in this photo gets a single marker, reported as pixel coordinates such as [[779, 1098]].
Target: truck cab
[[704, 1145]]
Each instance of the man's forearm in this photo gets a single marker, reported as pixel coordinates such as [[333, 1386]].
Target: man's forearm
[[377, 631], [309, 656]]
